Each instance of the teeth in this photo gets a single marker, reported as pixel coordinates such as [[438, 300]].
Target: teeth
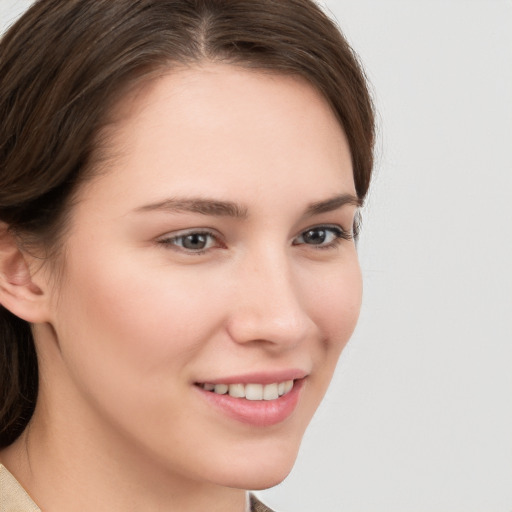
[[288, 385], [237, 390], [270, 392], [221, 389], [252, 391]]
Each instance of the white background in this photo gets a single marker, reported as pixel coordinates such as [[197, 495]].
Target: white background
[[419, 415]]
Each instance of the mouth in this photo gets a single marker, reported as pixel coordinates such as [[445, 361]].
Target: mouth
[[252, 391], [256, 404]]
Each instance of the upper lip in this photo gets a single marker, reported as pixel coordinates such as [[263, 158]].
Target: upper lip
[[262, 377]]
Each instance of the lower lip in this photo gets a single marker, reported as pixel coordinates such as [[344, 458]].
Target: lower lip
[[259, 413]]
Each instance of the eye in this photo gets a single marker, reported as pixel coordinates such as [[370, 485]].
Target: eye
[[194, 241], [323, 237]]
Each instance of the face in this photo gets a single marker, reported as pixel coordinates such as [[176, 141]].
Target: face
[[213, 254]]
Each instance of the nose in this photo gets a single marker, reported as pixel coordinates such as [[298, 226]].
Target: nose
[[269, 305]]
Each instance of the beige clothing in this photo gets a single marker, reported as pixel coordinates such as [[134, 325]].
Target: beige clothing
[[257, 506], [13, 498]]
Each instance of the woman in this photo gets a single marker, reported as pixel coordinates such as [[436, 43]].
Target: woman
[[179, 187]]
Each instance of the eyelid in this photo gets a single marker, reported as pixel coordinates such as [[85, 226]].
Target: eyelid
[[341, 234], [335, 227], [168, 239], [188, 231]]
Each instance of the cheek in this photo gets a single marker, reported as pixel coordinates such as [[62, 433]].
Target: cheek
[[120, 325], [152, 317], [337, 310], [129, 342], [336, 302]]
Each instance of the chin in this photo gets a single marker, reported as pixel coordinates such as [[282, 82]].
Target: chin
[[266, 483], [258, 479], [261, 470]]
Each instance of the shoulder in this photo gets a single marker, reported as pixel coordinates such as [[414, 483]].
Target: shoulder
[[13, 498]]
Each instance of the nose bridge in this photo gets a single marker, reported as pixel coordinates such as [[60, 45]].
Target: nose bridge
[[269, 302]]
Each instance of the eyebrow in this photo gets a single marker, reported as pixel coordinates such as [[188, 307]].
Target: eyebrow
[[334, 203], [218, 208], [203, 206]]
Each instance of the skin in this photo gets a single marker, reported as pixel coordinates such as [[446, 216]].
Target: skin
[[132, 319]]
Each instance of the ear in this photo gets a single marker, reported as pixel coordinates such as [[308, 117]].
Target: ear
[[19, 292]]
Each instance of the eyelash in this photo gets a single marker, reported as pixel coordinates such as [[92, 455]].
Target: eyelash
[[338, 232], [339, 235], [171, 241]]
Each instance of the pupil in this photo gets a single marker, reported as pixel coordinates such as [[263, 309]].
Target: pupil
[[194, 241], [315, 236]]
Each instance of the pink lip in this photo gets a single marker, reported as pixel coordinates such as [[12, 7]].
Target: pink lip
[[260, 377], [259, 413]]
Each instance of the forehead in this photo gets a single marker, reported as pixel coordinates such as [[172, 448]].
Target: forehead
[[227, 128]]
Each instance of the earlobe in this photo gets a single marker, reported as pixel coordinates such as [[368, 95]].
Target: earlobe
[[18, 291]]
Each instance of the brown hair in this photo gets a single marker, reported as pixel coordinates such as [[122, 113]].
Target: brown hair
[[65, 63]]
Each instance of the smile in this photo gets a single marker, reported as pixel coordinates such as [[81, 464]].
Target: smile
[[256, 404], [251, 391]]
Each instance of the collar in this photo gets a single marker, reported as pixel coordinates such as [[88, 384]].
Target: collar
[[13, 498]]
